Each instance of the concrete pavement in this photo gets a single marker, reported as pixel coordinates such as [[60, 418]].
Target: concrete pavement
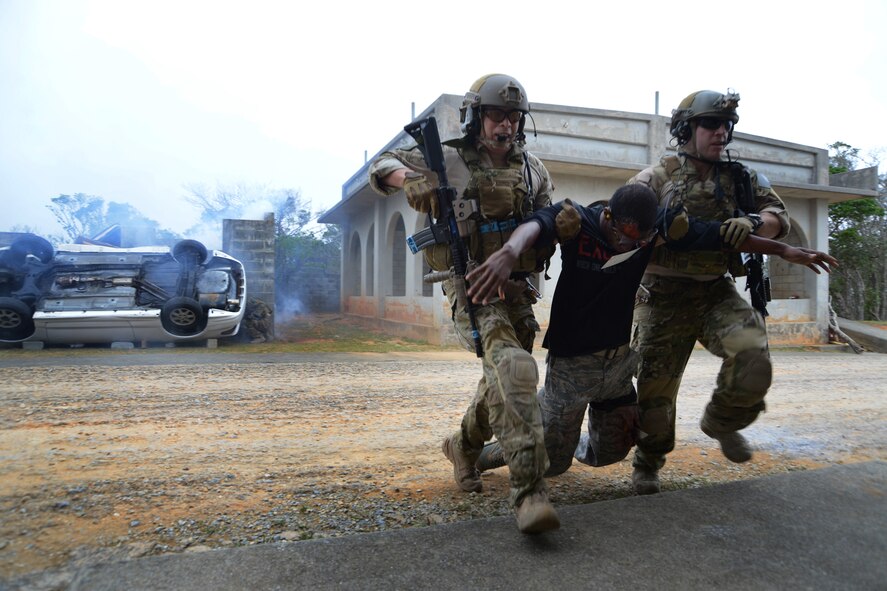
[[821, 529], [870, 337]]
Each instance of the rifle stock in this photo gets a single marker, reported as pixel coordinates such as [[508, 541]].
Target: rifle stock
[[452, 224]]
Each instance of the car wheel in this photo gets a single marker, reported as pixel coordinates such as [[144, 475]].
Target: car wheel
[[35, 245], [16, 320], [189, 252], [183, 317]]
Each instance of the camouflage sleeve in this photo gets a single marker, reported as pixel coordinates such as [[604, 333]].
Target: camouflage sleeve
[[654, 177], [543, 186], [388, 162], [767, 200]]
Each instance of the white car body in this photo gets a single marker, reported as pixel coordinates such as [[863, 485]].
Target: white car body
[[83, 293]]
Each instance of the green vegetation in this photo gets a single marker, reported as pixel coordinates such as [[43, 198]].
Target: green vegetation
[[858, 239]]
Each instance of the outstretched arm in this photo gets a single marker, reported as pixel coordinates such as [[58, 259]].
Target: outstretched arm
[[812, 259], [679, 231], [487, 280]]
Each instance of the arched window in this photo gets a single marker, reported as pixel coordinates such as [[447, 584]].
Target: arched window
[[352, 267], [371, 253], [398, 258]]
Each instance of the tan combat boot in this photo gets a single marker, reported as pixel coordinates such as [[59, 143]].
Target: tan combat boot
[[536, 514], [464, 472], [733, 445], [645, 480]]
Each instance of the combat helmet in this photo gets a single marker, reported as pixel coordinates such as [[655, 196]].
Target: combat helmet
[[703, 103], [493, 90]]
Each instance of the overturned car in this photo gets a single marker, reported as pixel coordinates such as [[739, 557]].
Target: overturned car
[[86, 293]]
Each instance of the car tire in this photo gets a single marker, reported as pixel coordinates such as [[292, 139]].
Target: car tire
[[183, 317], [189, 253], [16, 320], [34, 245]]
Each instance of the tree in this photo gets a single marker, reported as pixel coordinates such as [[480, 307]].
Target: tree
[[306, 257], [307, 254], [82, 215], [291, 215], [858, 239], [79, 214]]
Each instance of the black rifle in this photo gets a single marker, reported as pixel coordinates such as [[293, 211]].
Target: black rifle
[[756, 281], [452, 224]]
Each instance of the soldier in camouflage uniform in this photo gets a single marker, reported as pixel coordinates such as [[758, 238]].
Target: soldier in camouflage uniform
[[605, 249], [685, 297], [490, 168], [258, 321]]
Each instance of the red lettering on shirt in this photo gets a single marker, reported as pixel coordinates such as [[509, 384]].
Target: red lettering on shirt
[[591, 248]]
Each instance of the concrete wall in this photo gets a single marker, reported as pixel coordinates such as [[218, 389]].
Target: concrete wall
[[252, 243], [314, 288]]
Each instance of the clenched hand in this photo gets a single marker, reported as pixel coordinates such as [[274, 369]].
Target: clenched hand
[[420, 194]]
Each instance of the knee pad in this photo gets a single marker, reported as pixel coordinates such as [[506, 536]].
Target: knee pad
[[655, 421], [517, 370], [754, 372]]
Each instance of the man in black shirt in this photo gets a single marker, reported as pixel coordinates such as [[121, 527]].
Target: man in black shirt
[[605, 249]]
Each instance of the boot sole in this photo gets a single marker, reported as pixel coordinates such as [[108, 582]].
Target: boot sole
[[735, 456], [647, 489], [547, 522]]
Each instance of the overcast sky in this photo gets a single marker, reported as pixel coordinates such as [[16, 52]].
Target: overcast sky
[[134, 101]]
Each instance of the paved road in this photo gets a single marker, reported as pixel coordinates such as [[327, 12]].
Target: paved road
[[823, 529]]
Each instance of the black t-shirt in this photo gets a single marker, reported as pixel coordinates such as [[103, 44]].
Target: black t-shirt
[[592, 307]]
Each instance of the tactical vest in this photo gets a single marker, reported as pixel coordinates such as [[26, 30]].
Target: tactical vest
[[503, 198], [710, 200]]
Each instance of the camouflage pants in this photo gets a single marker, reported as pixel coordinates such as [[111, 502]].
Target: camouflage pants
[[258, 328], [670, 316], [601, 387], [599, 384], [505, 404]]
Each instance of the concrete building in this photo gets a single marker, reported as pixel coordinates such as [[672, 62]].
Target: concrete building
[[589, 153]]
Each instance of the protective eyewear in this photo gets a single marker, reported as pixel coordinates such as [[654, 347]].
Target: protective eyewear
[[713, 123], [498, 115], [628, 235]]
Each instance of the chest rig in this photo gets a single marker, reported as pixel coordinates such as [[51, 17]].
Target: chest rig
[[499, 198], [712, 199]]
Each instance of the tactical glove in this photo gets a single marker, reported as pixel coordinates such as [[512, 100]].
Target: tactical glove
[[420, 194], [567, 222], [735, 230], [678, 223]]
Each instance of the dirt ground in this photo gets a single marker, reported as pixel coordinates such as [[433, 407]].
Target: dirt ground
[[110, 455]]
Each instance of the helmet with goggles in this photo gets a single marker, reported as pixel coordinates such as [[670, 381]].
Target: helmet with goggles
[[498, 95], [709, 109]]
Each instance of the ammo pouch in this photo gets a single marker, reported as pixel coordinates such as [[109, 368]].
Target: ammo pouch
[[699, 262]]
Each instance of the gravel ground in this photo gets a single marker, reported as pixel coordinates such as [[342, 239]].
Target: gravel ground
[[110, 456]]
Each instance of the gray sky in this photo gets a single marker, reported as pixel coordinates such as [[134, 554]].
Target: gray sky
[[133, 101]]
